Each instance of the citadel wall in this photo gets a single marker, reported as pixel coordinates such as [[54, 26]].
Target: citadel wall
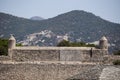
[[83, 54]]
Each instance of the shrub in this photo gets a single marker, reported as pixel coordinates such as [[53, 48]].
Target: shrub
[[117, 52], [64, 43], [19, 44], [74, 44], [116, 62], [3, 46]]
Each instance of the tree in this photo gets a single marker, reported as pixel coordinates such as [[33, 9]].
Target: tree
[[64, 43], [3, 46]]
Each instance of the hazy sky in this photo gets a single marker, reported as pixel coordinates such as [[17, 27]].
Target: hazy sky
[[107, 9]]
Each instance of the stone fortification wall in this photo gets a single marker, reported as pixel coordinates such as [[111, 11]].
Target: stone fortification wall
[[5, 58], [109, 59], [41, 71], [84, 54]]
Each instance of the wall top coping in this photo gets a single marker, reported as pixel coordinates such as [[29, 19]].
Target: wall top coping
[[54, 48], [49, 62]]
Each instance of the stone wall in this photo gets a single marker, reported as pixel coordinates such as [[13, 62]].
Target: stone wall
[[42, 71], [35, 55], [57, 54], [5, 58], [109, 59]]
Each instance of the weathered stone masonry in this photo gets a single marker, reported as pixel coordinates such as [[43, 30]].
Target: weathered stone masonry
[[41, 71], [56, 54]]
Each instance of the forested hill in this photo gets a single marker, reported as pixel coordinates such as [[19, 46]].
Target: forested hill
[[15, 25], [76, 24]]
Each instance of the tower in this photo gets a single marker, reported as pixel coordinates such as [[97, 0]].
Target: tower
[[103, 43], [11, 42]]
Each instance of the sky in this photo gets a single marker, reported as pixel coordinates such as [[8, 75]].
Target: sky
[[106, 9]]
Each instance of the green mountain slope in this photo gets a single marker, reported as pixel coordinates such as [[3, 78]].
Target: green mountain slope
[[18, 26]]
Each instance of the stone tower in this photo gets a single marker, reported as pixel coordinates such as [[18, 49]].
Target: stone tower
[[103, 43], [11, 42]]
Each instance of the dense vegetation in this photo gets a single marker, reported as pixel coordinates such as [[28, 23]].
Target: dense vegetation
[[79, 24], [19, 45], [74, 44], [116, 62], [3, 46], [117, 52]]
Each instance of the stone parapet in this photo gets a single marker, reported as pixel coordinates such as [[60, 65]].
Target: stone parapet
[[52, 48], [83, 54]]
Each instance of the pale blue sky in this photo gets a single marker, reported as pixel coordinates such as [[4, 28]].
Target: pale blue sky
[[107, 9]]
